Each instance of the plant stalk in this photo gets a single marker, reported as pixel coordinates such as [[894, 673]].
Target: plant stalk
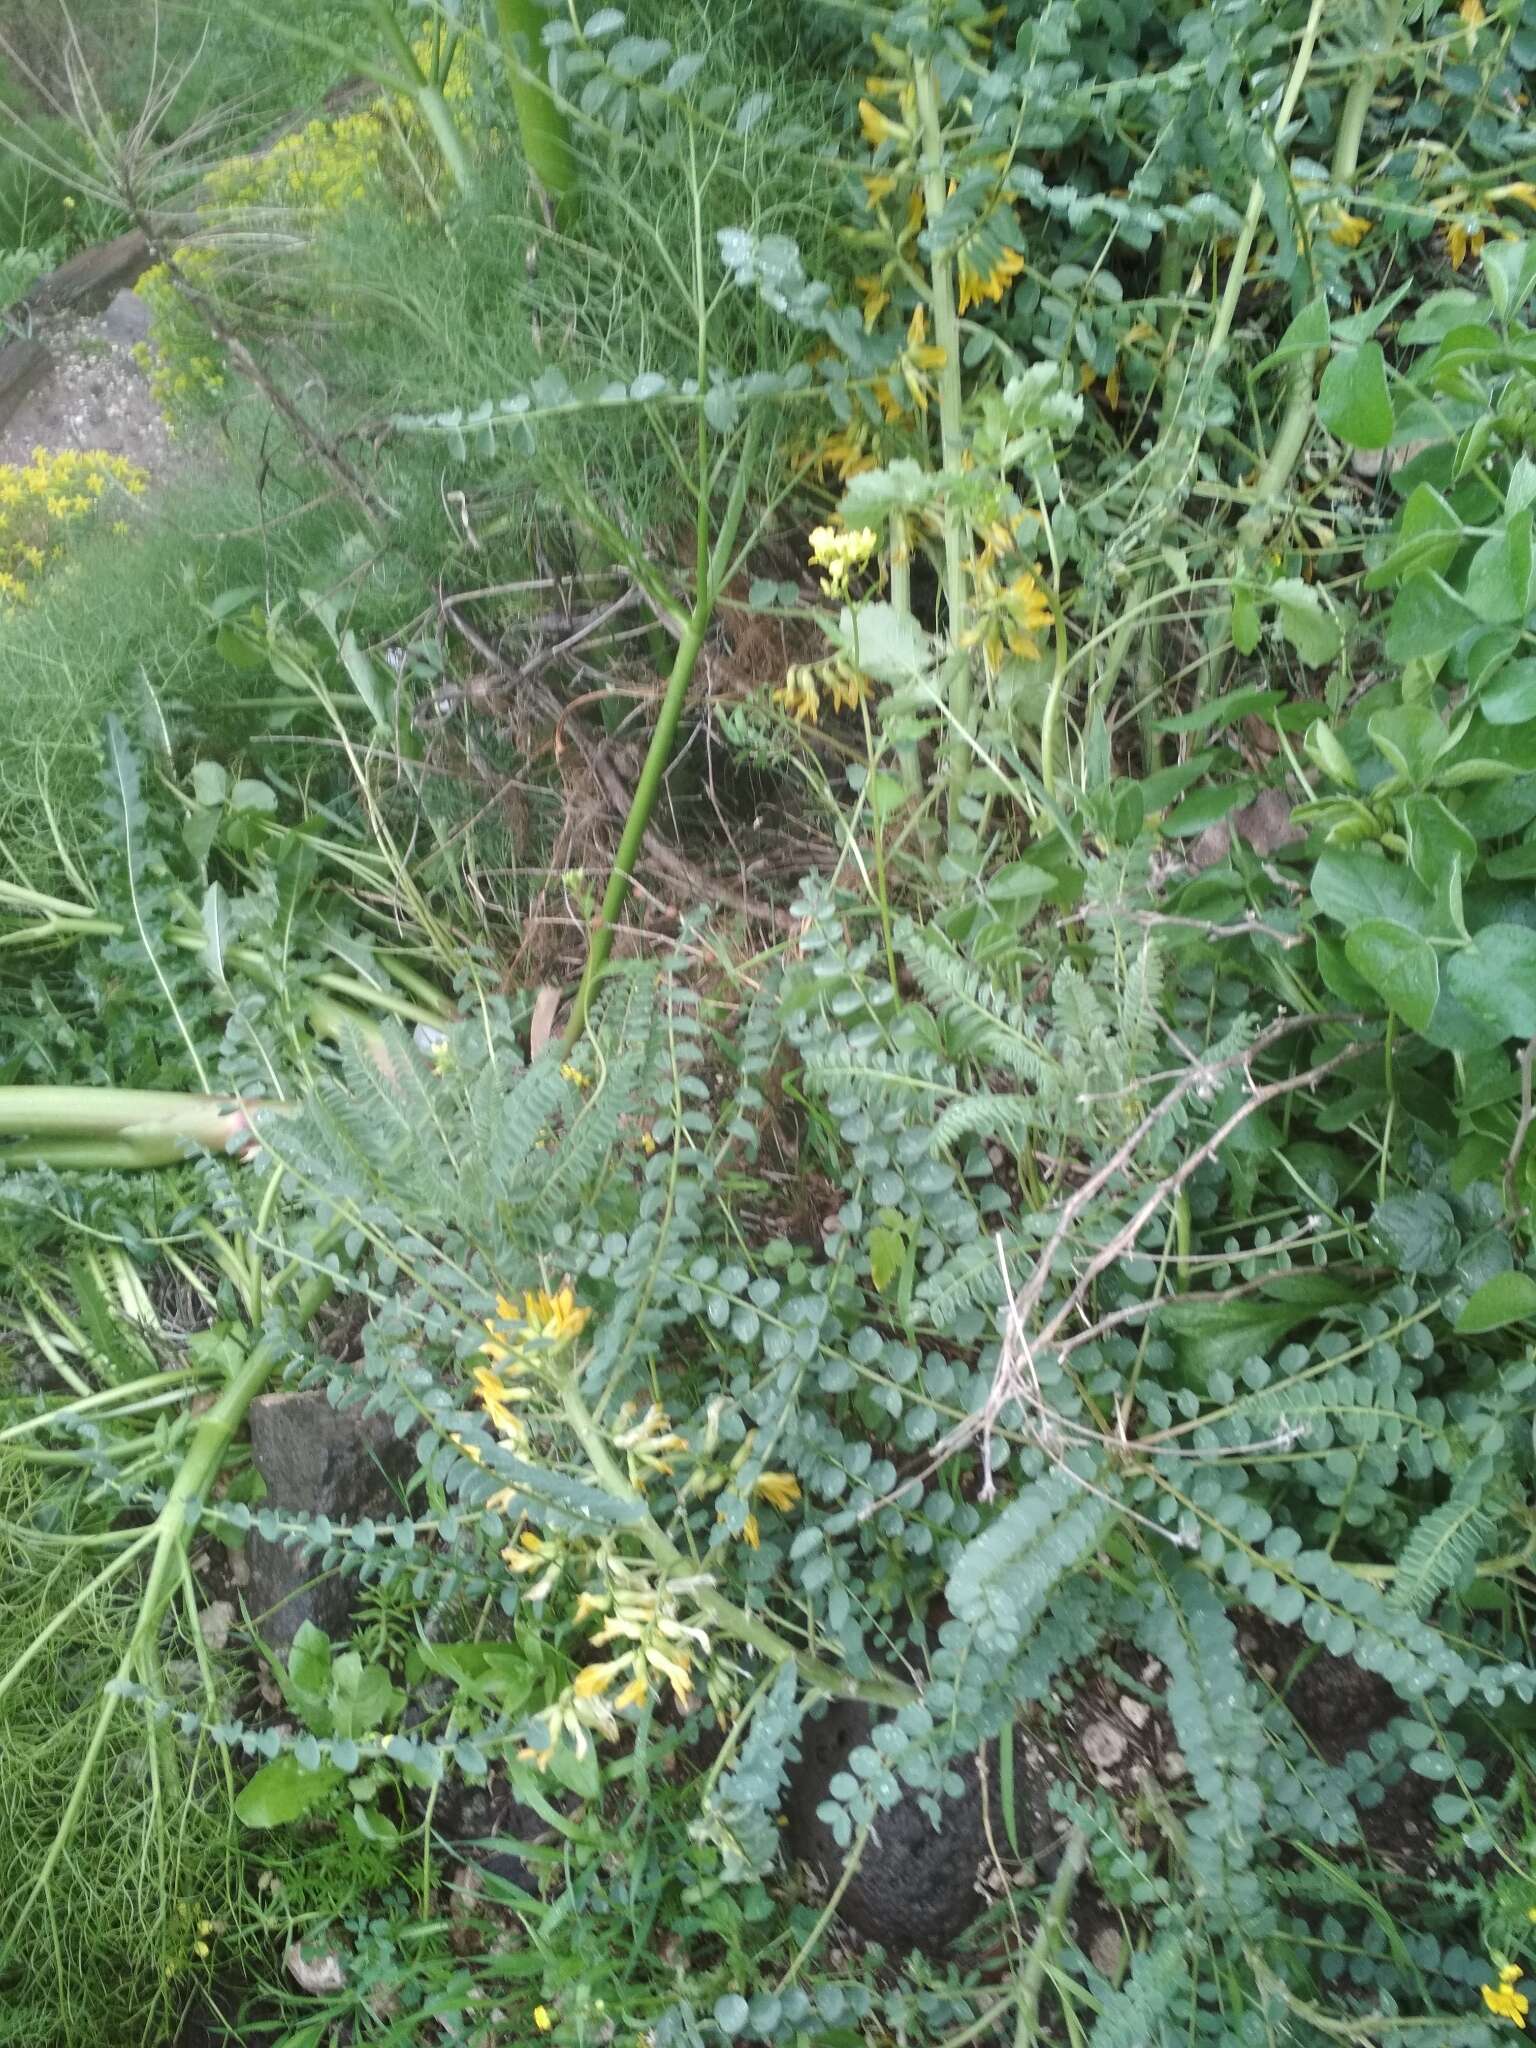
[[541, 122]]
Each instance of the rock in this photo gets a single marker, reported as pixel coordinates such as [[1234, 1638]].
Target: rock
[[126, 320], [87, 282], [314, 1970], [1265, 825], [316, 1460], [23, 366], [915, 1886], [1106, 1951], [1137, 1712], [1103, 1744]]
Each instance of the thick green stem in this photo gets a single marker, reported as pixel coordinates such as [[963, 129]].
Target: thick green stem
[[541, 122], [151, 1113], [428, 98], [946, 333], [171, 1532]]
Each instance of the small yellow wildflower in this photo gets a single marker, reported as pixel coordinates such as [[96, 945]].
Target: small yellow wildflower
[[553, 1317], [595, 1679], [879, 127], [575, 1076], [494, 1395], [751, 1533], [1473, 14], [872, 290], [634, 1694], [977, 285], [919, 357], [1521, 189], [838, 552], [1349, 230], [543, 2018], [798, 695], [1503, 2000], [781, 1490], [878, 185], [1463, 237]]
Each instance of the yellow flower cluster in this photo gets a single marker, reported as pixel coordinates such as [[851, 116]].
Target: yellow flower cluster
[[41, 499], [324, 167], [1503, 2000], [544, 1317], [1007, 617], [184, 368], [838, 552], [800, 692], [659, 1645], [781, 1490]]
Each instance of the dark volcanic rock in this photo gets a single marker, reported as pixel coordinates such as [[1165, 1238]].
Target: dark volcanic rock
[[915, 1886], [316, 1460]]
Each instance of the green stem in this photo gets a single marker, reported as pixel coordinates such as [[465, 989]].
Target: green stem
[[1296, 422], [541, 123], [946, 333], [170, 1533], [1074, 1857], [428, 97], [659, 753]]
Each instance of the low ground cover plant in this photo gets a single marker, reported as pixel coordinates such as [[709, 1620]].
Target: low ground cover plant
[[839, 938]]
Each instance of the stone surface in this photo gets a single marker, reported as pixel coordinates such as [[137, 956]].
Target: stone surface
[[127, 319], [89, 281], [23, 366], [916, 1885], [316, 1460]]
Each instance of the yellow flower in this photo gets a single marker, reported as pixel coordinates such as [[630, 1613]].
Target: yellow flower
[[879, 127], [1473, 14], [1349, 230], [751, 1534], [543, 2018], [838, 552], [875, 296], [1503, 2000], [976, 285], [633, 1695], [878, 185], [780, 1489], [1522, 189], [575, 1076], [494, 1396], [797, 695], [595, 1679], [920, 356], [1462, 236]]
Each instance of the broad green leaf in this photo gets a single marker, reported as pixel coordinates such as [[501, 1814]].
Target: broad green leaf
[[1412, 738], [1495, 976], [1506, 1298], [308, 1684], [1436, 840], [250, 795], [210, 783], [1311, 629], [1418, 1232], [1245, 622], [282, 1791], [1427, 619], [218, 931], [1353, 883], [1510, 699], [1509, 271], [1307, 334], [1353, 401], [1427, 538], [1219, 711], [365, 679], [884, 643], [1438, 314], [1499, 581], [1400, 966], [887, 1250]]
